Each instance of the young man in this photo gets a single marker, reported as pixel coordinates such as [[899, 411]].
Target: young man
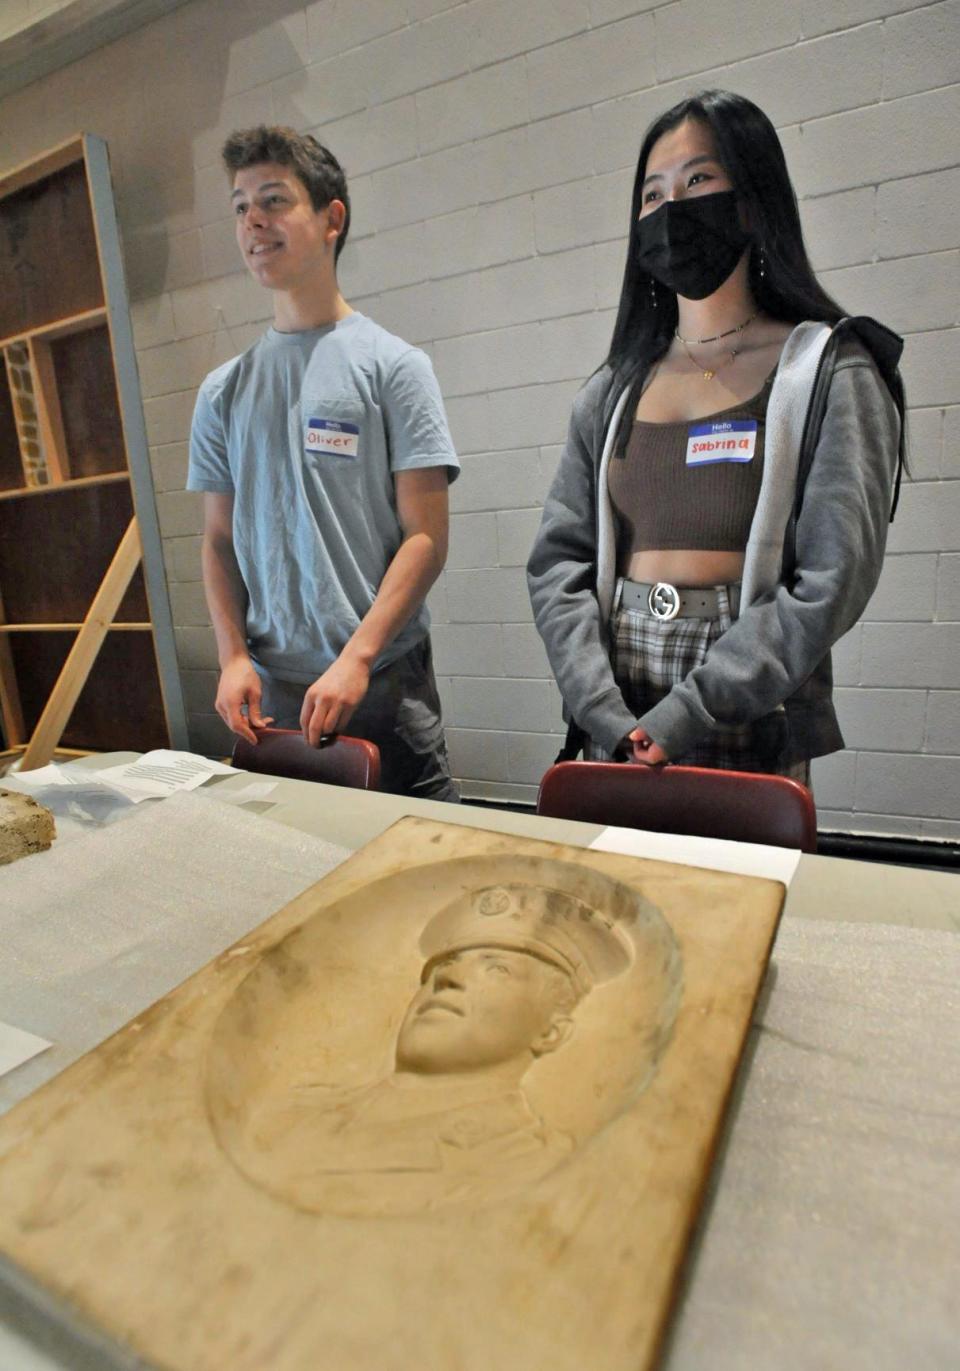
[[324, 456]]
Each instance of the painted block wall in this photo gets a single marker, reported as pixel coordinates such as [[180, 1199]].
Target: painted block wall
[[16, 15], [490, 146]]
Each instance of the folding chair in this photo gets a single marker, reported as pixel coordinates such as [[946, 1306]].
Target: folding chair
[[707, 803], [339, 760]]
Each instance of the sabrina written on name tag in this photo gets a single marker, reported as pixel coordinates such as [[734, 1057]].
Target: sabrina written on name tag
[[729, 440], [330, 435]]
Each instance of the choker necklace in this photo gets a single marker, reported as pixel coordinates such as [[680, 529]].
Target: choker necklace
[[708, 373], [715, 337]]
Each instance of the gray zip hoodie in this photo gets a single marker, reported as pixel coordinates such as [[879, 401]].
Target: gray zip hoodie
[[777, 652]]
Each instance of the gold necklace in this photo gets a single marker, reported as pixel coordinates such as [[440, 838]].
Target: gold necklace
[[706, 372]]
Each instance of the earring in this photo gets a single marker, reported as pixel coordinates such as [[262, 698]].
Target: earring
[[762, 265], [654, 303]]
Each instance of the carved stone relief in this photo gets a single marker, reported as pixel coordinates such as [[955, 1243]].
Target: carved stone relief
[[491, 1036], [453, 1106]]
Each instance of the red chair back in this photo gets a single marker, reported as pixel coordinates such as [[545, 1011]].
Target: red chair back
[[338, 760], [738, 805]]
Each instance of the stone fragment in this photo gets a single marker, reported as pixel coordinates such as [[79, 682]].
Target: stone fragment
[[25, 826]]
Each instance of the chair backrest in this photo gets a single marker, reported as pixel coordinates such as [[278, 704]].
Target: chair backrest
[[338, 760], [738, 805]]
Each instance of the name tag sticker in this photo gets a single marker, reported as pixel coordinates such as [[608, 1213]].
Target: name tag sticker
[[730, 440], [330, 435]]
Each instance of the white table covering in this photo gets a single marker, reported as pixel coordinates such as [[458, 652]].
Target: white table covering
[[829, 1236], [93, 932]]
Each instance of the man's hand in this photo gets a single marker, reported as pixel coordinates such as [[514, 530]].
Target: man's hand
[[645, 750], [330, 702], [240, 686]]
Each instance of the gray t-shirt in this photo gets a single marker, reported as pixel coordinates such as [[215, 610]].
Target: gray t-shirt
[[306, 430]]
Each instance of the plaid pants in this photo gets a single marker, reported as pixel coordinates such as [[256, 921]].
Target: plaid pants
[[650, 656]]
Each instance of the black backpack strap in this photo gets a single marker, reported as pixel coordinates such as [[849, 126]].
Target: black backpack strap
[[573, 744], [808, 443]]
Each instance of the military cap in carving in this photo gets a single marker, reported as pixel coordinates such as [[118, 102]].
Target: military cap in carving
[[551, 924]]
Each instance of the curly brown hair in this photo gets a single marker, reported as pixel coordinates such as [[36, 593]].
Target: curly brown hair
[[314, 164]]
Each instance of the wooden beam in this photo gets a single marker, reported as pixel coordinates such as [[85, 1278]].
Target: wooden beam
[[123, 627], [39, 167], [49, 416], [60, 328], [108, 478], [60, 752], [82, 655], [10, 709]]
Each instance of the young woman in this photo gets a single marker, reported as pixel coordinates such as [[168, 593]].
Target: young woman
[[719, 515]]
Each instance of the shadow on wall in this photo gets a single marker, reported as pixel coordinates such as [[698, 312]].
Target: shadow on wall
[[164, 98]]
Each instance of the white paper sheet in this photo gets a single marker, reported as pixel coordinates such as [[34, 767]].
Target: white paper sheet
[[39, 776], [746, 859], [18, 1046], [161, 773]]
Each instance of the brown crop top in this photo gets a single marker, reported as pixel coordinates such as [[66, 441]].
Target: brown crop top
[[662, 500]]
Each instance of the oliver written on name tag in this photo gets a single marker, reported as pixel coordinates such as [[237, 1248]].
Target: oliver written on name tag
[[729, 440], [330, 435]]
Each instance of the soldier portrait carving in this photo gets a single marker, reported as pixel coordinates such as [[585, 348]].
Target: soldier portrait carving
[[454, 1104], [506, 974]]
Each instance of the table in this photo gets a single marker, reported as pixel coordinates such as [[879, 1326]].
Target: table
[[823, 888], [828, 1235]]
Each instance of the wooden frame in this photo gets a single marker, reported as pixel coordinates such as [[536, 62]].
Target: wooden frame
[[88, 642], [74, 429]]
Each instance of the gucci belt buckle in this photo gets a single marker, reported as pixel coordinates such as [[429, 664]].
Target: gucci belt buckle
[[663, 600]]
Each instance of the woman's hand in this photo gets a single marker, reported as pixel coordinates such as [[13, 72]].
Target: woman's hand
[[645, 750]]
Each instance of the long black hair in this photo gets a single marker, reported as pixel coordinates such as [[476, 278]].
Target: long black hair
[[750, 152]]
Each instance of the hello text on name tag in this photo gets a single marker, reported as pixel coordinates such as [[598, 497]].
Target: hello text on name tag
[[330, 435], [728, 440]]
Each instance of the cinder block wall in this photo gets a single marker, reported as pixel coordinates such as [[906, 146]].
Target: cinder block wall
[[490, 145], [17, 14]]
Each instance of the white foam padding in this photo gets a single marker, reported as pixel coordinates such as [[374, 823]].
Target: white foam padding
[[830, 1234], [93, 933]]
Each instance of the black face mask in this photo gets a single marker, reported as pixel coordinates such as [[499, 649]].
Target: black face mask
[[692, 246]]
